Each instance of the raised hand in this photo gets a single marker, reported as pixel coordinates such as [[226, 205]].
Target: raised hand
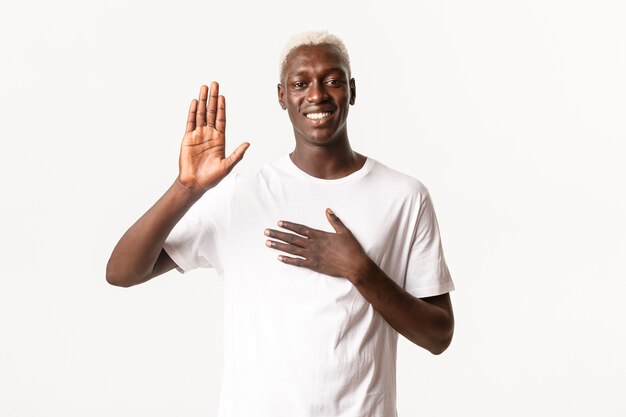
[[203, 163], [337, 254]]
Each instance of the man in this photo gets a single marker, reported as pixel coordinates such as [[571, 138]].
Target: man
[[326, 254]]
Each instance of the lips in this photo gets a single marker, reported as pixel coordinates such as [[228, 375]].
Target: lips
[[318, 115]]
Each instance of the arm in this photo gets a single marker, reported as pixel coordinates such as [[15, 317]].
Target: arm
[[427, 322], [139, 255]]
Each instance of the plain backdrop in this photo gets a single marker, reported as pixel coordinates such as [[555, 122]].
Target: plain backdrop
[[511, 112]]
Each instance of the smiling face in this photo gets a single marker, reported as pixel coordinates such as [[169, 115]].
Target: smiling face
[[316, 90]]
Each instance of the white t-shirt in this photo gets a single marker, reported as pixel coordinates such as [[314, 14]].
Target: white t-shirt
[[298, 343]]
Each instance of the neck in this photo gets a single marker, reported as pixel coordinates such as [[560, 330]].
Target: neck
[[327, 162]]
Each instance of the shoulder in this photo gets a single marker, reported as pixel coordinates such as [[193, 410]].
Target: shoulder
[[397, 182], [249, 183], [269, 172]]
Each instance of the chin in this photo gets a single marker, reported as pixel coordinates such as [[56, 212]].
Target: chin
[[321, 137], [321, 140]]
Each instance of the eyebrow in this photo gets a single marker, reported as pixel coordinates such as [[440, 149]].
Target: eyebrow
[[302, 72]]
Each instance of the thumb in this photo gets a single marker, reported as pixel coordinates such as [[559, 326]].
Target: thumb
[[236, 156], [335, 222]]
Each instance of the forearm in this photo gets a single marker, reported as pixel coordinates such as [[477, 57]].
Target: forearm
[[424, 323], [135, 255]]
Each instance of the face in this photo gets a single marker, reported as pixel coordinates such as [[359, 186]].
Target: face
[[316, 91]]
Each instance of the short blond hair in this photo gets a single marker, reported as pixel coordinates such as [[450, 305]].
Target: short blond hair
[[311, 38]]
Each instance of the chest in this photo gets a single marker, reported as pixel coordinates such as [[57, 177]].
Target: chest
[[382, 226]]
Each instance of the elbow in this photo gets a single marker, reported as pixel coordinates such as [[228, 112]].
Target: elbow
[[117, 281], [115, 278], [443, 337], [440, 345]]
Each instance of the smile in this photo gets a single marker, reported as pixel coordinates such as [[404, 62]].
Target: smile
[[318, 116]]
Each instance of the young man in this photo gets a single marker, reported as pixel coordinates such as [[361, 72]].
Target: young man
[[326, 254]]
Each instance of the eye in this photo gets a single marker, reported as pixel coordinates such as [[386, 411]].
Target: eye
[[334, 82], [298, 85]]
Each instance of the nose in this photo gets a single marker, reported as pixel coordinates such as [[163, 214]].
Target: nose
[[316, 93]]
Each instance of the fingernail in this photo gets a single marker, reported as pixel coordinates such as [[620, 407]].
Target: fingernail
[[280, 223], [268, 243], [266, 232], [330, 211]]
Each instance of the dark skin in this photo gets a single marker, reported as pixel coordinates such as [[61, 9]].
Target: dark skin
[[139, 255], [316, 80]]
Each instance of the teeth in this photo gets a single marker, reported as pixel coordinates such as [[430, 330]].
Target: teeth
[[318, 116]]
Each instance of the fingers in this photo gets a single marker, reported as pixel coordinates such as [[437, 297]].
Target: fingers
[[290, 238], [298, 228], [295, 246], [236, 156], [291, 249], [201, 109], [294, 261], [204, 114], [220, 122], [191, 117], [335, 222], [212, 107]]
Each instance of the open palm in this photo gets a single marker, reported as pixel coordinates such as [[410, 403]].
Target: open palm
[[203, 163]]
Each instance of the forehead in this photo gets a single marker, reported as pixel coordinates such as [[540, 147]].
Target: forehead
[[315, 58]]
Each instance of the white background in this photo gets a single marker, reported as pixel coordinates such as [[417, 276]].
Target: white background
[[511, 112]]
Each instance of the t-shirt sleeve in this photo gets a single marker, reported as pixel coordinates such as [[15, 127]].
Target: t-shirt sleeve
[[196, 240], [427, 272]]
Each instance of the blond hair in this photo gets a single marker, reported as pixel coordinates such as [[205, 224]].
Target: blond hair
[[311, 38]]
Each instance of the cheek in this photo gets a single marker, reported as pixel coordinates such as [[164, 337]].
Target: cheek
[[293, 108], [293, 115]]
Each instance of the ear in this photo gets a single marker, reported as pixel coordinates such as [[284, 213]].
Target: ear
[[281, 96], [352, 91]]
